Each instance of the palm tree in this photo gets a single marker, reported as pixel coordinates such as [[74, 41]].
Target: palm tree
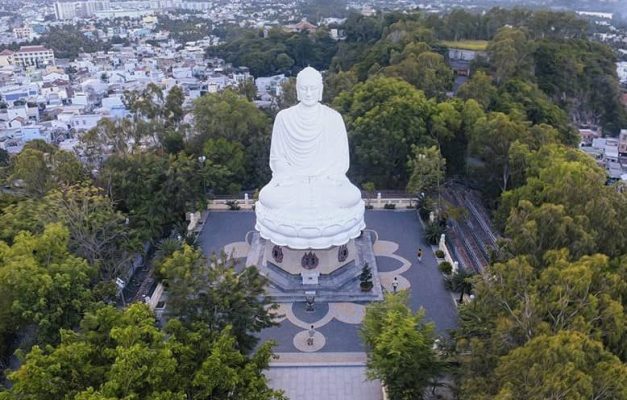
[[460, 281]]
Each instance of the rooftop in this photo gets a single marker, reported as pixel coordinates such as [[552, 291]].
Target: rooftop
[[29, 49]]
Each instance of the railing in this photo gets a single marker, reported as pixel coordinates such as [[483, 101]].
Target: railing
[[247, 203]]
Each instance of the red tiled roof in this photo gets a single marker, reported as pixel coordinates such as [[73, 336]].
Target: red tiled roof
[[6, 52], [28, 49]]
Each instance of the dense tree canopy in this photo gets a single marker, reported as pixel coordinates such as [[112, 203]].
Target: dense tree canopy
[[97, 232], [43, 286], [122, 354], [279, 52], [518, 307], [215, 295], [384, 117], [233, 118], [154, 191], [566, 188]]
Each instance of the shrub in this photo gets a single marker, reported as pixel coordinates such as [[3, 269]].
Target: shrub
[[369, 206], [365, 279], [445, 267], [439, 253], [433, 232], [389, 206]]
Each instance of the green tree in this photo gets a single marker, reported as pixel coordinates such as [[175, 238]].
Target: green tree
[[516, 302], [229, 116], [42, 285], [400, 347], [510, 53], [41, 171], [535, 230], [288, 96], [336, 83], [480, 88], [155, 191], [427, 170], [491, 140], [4, 158], [230, 158], [122, 354], [428, 72], [567, 187], [460, 281], [384, 118], [173, 107], [97, 232], [566, 365], [248, 89], [217, 296]]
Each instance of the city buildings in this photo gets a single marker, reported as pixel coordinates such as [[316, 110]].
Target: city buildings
[[33, 56], [74, 9]]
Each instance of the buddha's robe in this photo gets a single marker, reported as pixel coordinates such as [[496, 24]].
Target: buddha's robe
[[309, 159]]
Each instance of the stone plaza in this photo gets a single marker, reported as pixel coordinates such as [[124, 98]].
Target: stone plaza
[[337, 342]]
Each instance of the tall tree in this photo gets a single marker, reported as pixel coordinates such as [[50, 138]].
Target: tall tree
[[428, 71], [215, 295], [427, 170], [511, 54], [566, 365], [97, 232], [42, 285], [230, 116], [567, 186], [122, 354], [384, 118], [155, 191], [173, 107], [400, 347], [491, 140]]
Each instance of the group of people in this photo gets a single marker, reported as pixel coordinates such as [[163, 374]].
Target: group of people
[[395, 280]]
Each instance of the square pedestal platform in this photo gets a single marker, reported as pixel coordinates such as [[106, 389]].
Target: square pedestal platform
[[333, 274]]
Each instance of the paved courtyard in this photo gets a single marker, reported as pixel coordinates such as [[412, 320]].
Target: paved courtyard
[[331, 364], [337, 324]]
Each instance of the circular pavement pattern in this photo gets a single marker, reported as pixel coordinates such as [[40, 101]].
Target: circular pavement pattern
[[319, 312], [302, 343], [388, 264], [349, 313], [388, 278]]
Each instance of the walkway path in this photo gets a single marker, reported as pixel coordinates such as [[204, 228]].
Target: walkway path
[[324, 383]]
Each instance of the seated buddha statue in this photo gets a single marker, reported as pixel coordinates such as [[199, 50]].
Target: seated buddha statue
[[309, 203]]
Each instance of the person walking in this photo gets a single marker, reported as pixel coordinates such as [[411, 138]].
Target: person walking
[[312, 333], [395, 284], [419, 255]]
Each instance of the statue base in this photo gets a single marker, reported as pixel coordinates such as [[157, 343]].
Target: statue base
[[329, 275]]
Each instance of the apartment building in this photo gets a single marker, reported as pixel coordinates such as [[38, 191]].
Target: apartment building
[[33, 56], [24, 32], [73, 9]]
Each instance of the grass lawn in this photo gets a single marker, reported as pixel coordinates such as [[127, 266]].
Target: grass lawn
[[477, 45]]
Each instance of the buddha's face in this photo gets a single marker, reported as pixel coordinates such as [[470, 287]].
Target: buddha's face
[[309, 92]]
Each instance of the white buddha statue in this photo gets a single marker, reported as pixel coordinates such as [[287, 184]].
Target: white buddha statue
[[309, 203]]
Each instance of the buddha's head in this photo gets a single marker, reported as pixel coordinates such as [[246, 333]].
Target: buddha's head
[[309, 87]]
